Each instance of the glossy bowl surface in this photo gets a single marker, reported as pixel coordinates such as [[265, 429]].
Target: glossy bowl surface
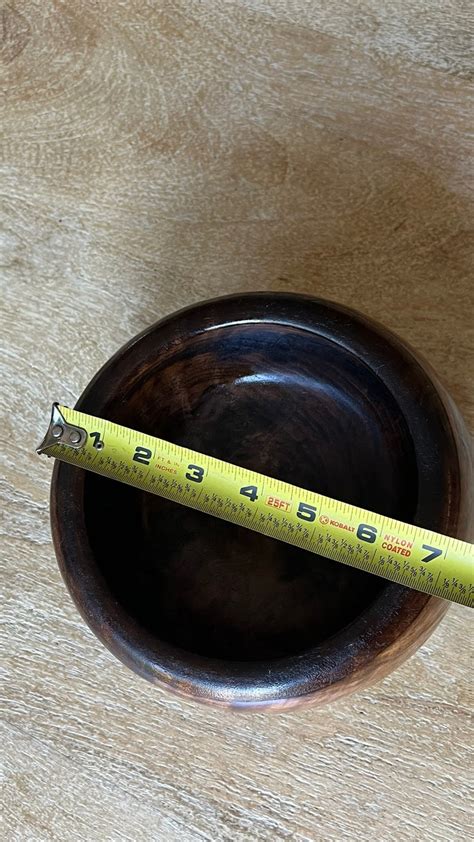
[[299, 389]]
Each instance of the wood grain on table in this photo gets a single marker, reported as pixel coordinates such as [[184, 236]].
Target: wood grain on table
[[156, 153]]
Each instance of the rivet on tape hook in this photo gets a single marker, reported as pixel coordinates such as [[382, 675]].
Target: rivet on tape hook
[[60, 432]]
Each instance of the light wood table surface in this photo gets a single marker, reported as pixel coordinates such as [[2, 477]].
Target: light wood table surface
[[156, 153]]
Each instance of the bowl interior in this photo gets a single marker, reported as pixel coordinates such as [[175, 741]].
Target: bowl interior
[[281, 400]]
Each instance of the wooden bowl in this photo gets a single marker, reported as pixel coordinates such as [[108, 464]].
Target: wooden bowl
[[300, 389]]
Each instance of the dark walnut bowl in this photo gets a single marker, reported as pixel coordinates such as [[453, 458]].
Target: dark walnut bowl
[[302, 390]]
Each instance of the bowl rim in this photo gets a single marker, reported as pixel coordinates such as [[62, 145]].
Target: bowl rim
[[385, 631]]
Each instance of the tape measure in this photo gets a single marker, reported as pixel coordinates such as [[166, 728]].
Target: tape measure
[[409, 555]]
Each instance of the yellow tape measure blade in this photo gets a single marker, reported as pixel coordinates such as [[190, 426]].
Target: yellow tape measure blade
[[409, 555]]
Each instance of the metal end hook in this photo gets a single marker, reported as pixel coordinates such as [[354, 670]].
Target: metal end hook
[[60, 432]]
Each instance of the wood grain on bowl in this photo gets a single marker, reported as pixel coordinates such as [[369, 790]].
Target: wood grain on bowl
[[296, 388]]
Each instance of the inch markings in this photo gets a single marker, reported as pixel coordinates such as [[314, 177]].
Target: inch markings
[[407, 554]]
